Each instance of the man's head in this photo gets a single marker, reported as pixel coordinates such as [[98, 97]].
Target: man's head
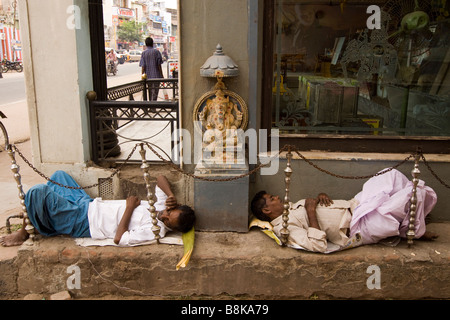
[[181, 218], [149, 42], [266, 207]]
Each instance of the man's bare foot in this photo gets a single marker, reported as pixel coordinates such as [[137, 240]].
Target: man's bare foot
[[429, 236], [14, 239]]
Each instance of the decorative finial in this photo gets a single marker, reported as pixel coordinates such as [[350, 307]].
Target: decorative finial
[[219, 62]]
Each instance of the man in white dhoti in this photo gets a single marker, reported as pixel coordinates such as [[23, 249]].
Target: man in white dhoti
[[379, 211]]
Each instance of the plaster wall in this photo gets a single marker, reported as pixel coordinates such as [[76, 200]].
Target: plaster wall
[[58, 74], [203, 25]]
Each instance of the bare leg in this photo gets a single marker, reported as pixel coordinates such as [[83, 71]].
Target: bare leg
[[16, 238]]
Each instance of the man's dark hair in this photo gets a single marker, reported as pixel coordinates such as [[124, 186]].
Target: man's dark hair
[[186, 219], [149, 42], [257, 204]]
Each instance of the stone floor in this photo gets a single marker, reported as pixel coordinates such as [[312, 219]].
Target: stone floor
[[228, 266]]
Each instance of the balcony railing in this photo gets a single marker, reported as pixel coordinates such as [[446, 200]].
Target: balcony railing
[[138, 87], [118, 124]]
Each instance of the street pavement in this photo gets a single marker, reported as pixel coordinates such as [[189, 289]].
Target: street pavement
[[130, 72], [12, 87], [18, 128], [14, 106]]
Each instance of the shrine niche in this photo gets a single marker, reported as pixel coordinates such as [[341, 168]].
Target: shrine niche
[[218, 115], [221, 117]]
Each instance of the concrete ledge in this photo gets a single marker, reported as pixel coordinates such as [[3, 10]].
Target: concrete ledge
[[236, 265], [352, 156]]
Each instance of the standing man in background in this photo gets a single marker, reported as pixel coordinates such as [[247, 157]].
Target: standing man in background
[[151, 62]]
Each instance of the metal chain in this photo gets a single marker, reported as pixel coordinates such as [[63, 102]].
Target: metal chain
[[432, 172], [354, 177], [288, 148], [115, 171], [170, 163]]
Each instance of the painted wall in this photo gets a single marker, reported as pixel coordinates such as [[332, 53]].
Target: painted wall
[[203, 25], [58, 74], [57, 78]]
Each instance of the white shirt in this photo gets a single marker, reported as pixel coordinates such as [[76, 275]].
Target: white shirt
[[334, 221], [105, 215]]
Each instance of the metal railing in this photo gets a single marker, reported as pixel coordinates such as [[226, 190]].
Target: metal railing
[[143, 86], [111, 120]]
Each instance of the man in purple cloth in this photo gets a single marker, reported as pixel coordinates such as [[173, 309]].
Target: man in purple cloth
[[151, 61], [379, 211]]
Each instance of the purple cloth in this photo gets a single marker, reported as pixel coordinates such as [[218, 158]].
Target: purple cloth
[[383, 209]]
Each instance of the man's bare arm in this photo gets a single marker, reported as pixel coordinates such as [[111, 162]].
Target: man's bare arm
[[132, 203], [164, 185], [324, 199], [310, 206]]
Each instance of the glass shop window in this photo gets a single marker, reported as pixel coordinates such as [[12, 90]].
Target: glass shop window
[[335, 75]]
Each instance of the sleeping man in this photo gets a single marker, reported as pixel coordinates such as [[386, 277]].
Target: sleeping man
[[54, 210], [379, 211]]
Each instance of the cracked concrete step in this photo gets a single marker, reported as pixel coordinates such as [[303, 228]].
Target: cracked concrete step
[[234, 264]]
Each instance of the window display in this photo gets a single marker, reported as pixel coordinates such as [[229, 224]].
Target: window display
[[359, 68]]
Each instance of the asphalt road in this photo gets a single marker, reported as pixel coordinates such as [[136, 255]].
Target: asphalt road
[[129, 72], [12, 88], [12, 85], [13, 101]]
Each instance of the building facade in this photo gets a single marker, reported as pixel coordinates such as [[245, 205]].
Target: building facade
[[323, 75], [157, 18], [288, 78], [10, 38]]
